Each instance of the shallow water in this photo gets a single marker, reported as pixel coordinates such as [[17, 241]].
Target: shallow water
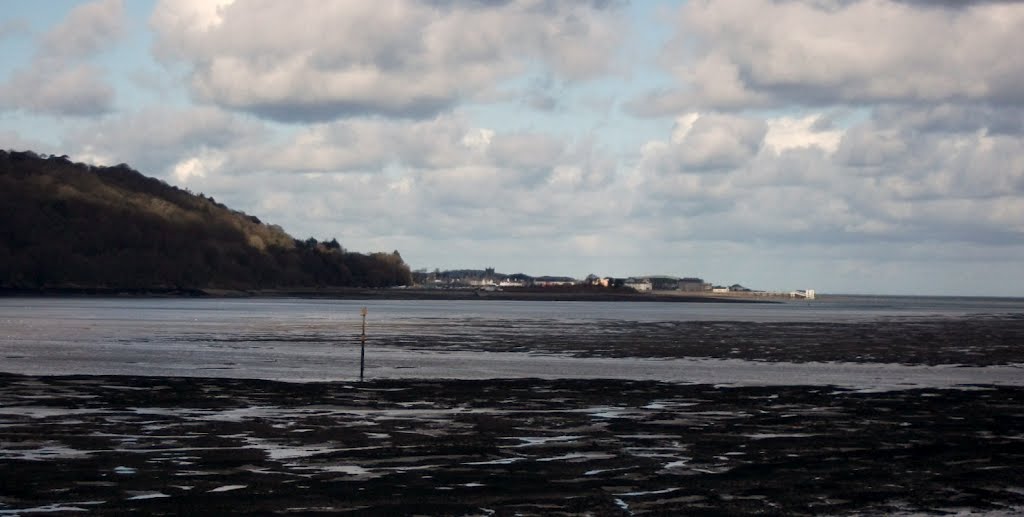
[[312, 340]]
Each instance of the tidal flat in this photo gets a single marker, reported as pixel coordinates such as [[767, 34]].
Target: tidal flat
[[253, 407], [149, 445]]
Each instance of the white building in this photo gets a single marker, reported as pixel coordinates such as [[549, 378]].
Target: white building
[[642, 286], [807, 294]]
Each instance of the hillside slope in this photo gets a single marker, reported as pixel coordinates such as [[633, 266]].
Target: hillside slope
[[72, 225]]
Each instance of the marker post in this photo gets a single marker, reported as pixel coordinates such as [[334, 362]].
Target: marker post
[[362, 347]]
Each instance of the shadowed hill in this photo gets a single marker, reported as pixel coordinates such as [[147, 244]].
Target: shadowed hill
[[71, 225]]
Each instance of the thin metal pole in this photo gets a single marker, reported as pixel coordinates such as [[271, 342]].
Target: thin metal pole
[[362, 348]]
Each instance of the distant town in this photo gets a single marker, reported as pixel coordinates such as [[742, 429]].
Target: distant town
[[490, 280]]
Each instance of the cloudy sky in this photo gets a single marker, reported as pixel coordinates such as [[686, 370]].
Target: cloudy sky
[[843, 145]]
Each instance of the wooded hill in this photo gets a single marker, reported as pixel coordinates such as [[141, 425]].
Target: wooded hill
[[66, 225]]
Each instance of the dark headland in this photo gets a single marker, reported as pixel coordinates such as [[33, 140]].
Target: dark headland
[[73, 228]]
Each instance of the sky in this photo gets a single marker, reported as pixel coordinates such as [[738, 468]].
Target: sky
[[847, 146]]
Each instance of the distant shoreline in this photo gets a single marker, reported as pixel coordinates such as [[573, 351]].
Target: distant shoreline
[[341, 293]]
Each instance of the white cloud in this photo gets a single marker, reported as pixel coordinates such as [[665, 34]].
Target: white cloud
[[372, 144], [184, 19], [59, 80], [58, 88], [314, 61], [87, 30], [707, 142], [717, 141], [157, 140], [933, 175], [197, 167], [735, 54], [478, 139], [876, 183], [445, 143], [785, 133]]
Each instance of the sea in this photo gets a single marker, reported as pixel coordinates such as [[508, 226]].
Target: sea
[[307, 340]]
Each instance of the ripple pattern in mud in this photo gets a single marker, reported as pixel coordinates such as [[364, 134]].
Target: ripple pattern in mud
[[531, 447]]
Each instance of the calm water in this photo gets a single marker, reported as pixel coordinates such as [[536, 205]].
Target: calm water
[[302, 339], [182, 310]]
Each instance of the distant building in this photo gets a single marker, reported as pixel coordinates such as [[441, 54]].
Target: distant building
[[807, 294], [719, 289], [640, 285], [553, 281]]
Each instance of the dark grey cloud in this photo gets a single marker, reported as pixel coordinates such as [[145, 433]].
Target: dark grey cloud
[[297, 111], [954, 4], [864, 147], [954, 118]]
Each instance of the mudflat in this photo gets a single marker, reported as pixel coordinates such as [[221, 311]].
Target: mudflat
[[113, 445], [796, 445], [975, 340]]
